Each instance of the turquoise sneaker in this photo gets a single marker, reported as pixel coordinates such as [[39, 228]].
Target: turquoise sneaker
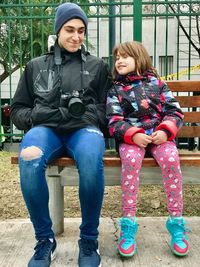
[[126, 242], [176, 228]]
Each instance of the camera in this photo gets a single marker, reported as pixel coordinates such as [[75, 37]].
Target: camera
[[73, 102]]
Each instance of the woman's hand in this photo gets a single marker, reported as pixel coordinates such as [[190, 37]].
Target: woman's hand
[[159, 137], [142, 140]]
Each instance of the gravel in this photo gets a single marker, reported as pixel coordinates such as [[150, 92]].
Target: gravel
[[151, 200]]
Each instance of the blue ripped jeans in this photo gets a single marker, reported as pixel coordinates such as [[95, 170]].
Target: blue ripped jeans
[[87, 147]]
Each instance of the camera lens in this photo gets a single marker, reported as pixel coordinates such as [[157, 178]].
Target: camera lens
[[76, 107]]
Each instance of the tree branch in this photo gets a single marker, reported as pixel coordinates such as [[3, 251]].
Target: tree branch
[[198, 31], [5, 74], [185, 32]]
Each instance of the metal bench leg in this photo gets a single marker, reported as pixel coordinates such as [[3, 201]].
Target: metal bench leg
[[56, 199]]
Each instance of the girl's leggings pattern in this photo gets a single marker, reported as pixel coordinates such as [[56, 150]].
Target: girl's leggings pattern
[[167, 157]]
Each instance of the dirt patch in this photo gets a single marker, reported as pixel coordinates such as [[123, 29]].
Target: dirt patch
[[151, 200]]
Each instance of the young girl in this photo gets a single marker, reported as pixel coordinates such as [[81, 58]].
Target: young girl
[[144, 116]]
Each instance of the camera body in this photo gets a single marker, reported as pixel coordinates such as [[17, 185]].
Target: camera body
[[73, 102]]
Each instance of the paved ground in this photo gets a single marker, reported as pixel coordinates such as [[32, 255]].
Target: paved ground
[[17, 242]]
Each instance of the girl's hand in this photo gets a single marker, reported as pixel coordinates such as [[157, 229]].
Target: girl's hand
[[142, 140], [159, 137]]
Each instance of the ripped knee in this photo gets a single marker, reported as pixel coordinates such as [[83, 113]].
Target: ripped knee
[[30, 153]]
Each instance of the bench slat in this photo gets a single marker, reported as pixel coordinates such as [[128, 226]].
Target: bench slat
[[186, 160], [188, 101], [184, 86], [189, 131], [192, 116]]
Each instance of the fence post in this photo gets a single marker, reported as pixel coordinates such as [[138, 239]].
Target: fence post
[[137, 21], [112, 30]]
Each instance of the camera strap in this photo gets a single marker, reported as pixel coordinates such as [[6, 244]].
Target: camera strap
[[57, 55]]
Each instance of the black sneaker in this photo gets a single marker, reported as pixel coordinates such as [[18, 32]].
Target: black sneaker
[[44, 253], [88, 253]]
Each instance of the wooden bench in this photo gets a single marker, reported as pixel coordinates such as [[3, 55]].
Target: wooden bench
[[62, 171]]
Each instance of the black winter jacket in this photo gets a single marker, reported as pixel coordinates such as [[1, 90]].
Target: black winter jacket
[[37, 98]]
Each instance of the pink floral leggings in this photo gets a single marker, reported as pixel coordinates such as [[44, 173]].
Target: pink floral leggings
[[167, 157]]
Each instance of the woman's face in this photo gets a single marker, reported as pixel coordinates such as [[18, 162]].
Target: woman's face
[[124, 64], [71, 35]]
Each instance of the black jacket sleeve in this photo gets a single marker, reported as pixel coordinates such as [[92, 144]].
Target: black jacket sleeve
[[26, 112], [22, 103]]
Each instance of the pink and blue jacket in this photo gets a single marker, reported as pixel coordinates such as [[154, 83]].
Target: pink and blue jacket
[[142, 104]]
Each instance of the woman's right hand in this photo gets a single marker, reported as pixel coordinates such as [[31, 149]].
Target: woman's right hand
[[142, 140]]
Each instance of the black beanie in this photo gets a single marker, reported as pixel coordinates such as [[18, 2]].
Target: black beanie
[[66, 12]]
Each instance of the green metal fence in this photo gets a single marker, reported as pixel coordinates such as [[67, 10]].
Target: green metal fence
[[170, 30]]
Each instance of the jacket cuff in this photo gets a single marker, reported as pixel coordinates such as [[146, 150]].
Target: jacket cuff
[[170, 127], [128, 136]]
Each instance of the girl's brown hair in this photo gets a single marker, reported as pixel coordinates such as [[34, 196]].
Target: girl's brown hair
[[138, 52]]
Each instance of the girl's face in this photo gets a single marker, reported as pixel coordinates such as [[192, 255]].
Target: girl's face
[[124, 64]]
